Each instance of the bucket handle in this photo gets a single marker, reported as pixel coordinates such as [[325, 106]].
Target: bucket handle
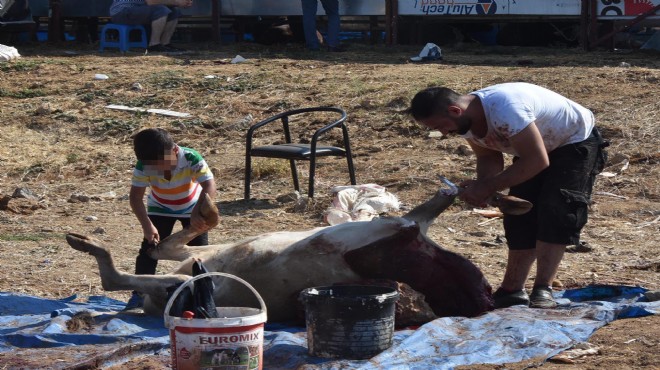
[[193, 279]]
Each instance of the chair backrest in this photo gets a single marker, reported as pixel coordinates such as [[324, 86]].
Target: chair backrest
[[286, 118], [301, 149]]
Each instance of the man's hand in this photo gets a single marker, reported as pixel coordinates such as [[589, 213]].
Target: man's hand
[[476, 192]]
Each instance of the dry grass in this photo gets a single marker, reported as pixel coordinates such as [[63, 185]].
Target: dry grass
[[58, 140]]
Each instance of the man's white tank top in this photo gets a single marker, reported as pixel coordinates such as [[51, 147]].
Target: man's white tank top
[[511, 107]]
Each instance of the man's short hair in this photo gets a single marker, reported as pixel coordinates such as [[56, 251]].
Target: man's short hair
[[151, 144], [430, 101]]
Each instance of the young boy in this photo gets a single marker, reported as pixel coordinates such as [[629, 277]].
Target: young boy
[[177, 177]]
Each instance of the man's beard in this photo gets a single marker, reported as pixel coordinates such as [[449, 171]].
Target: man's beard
[[463, 125]]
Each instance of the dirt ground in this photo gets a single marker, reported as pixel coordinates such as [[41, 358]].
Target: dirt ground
[[72, 156]]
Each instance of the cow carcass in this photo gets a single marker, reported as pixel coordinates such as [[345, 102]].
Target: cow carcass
[[281, 264]]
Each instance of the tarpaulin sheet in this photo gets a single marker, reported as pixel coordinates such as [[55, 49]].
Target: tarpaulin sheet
[[502, 336]]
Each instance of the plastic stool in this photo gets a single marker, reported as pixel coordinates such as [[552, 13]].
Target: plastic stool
[[124, 42]]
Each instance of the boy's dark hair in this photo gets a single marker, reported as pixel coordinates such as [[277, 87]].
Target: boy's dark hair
[[150, 144], [430, 101]]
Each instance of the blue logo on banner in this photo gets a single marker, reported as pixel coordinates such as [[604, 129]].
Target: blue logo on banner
[[486, 7]]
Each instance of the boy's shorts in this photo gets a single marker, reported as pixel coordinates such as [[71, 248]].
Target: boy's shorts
[[560, 194]]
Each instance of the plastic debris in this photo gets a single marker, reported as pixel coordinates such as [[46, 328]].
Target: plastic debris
[[164, 112], [238, 59], [430, 52]]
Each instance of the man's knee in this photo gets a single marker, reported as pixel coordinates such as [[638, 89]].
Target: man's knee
[[161, 11]]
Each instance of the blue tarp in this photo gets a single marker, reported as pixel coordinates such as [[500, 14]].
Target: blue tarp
[[502, 336]]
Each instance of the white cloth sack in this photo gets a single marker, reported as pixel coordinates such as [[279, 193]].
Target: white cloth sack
[[359, 203], [8, 53]]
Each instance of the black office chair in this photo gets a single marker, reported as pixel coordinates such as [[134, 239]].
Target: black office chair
[[298, 151]]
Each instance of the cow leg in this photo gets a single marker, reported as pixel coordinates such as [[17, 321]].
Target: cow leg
[[174, 247], [425, 213], [113, 279]]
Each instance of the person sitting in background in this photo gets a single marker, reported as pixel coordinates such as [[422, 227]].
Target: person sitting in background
[[162, 15], [331, 8]]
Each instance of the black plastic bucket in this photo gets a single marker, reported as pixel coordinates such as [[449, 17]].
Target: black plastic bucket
[[349, 321]]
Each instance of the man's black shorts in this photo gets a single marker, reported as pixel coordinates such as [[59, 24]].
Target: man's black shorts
[[560, 194]]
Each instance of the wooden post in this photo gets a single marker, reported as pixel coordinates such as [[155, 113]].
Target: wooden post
[[388, 22], [584, 24], [55, 29], [395, 22], [593, 22], [216, 8], [373, 30]]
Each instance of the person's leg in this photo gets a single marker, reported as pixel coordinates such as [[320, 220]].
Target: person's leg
[[563, 211], [331, 8], [170, 26], [168, 31], [520, 233], [518, 265], [309, 8], [145, 265], [157, 30], [548, 258], [155, 15]]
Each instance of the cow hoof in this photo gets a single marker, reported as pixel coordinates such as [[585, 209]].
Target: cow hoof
[[84, 244]]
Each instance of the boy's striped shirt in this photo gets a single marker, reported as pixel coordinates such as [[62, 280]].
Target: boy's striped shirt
[[177, 196]]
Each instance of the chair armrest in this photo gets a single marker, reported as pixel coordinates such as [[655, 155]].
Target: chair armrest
[[285, 123], [339, 123]]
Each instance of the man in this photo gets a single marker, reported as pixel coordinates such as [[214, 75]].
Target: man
[[557, 154], [331, 8], [162, 15]]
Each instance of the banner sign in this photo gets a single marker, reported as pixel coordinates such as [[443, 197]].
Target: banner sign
[[606, 8]]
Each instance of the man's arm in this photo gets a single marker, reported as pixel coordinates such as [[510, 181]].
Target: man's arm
[[489, 162], [532, 159]]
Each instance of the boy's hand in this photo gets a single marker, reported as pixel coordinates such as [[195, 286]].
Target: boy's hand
[[151, 235]]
